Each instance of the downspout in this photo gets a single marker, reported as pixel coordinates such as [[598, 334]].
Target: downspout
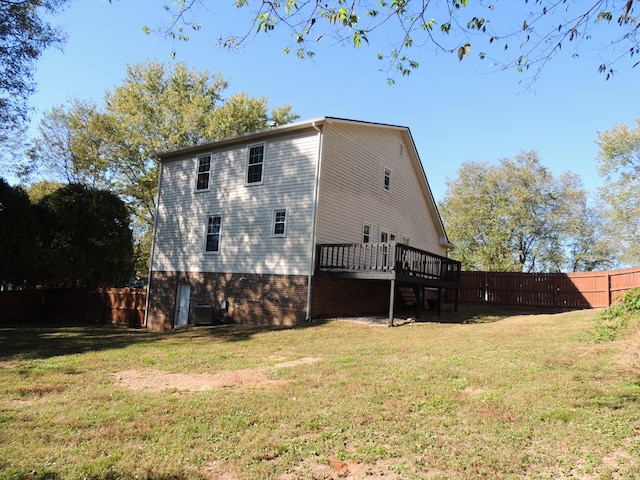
[[314, 220], [153, 249]]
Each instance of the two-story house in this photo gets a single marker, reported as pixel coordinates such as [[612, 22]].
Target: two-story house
[[313, 219]]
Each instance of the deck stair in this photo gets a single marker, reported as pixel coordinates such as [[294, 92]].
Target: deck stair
[[415, 276], [408, 296]]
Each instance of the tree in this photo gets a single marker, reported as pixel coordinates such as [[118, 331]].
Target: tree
[[37, 191], [156, 109], [87, 240], [24, 35], [584, 244], [516, 216], [18, 233], [619, 164], [243, 114], [73, 146], [502, 32]]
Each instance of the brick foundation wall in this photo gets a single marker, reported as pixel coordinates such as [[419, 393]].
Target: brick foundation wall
[[333, 297], [251, 298]]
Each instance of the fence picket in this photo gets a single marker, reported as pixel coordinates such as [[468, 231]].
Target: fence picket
[[553, 290], [117, 306]]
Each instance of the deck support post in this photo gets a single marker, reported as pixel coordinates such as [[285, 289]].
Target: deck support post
[[392, 295], [455, 305]]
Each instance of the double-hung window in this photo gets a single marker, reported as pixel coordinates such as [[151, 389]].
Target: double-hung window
[[255, 164], [204, 172], [214, 227], [279, 225], [366, 233]]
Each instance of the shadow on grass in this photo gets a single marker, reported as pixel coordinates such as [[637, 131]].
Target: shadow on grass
[[39, 341], [49, 475], [235, 332], [478, 313], [45, 341]]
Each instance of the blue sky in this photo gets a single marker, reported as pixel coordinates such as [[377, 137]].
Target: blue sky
[[457, 111]]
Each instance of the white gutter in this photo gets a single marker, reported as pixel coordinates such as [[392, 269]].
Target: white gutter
[[314, 221], [153, 248]]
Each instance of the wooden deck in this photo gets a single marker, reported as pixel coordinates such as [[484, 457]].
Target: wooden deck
[[387, 261], [399, 264]]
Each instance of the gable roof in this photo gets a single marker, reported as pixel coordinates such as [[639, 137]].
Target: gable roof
[[315, 124]]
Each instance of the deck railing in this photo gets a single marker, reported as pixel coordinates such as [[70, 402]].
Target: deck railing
[[386, 257]]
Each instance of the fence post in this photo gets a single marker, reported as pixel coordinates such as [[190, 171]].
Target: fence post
[[392, 294], [609, 299], [133, 318], [486, 287]]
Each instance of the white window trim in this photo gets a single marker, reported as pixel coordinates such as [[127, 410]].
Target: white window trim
[[264, 159], [365, 224], [384, 178], [273, 222], [195, 187], [384, 251], [206, 235]]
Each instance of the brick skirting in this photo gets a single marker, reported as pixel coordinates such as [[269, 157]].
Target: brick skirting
[[262, 299], [250, 298]]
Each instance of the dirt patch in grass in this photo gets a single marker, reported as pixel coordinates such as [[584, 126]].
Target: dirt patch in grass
[[157, 380], [336, 469], [332, 469]]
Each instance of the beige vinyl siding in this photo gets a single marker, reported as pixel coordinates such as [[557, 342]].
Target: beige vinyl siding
[[246, 243], [352, 188]]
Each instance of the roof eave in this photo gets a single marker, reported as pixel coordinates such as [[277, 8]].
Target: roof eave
[[268, 132], [255, 135]]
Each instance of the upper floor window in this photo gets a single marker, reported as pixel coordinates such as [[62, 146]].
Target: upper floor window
[[366, 233], [214, 228], [387, 179], [279, 228], [255, 164], [204, 171]]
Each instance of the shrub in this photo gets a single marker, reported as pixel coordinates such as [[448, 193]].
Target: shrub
[[615, 319]]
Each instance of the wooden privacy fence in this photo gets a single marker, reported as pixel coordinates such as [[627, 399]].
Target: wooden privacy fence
[[554, 290], [117, 306]]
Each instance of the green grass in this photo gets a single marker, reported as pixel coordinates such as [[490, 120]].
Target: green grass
[[493, 393]]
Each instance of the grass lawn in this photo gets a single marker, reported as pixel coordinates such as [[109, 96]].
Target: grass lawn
[[493, 393]]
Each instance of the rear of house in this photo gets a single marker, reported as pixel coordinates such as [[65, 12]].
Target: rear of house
[[238, 222], [373, 190], [233, 229]]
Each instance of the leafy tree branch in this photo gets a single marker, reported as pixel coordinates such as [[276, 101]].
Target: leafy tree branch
[[523, 35]]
